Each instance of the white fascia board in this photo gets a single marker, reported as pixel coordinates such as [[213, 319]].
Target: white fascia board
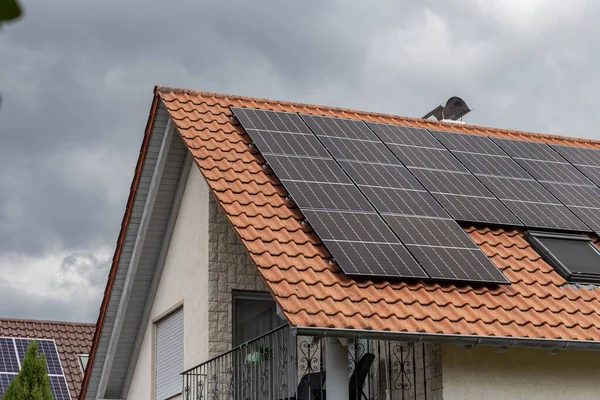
[[137, 252], [187, 165]]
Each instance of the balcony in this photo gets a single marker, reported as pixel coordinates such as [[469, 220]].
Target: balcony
[[279, 365]]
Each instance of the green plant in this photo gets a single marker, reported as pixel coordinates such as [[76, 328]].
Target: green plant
[[32, 383], [9, 10]]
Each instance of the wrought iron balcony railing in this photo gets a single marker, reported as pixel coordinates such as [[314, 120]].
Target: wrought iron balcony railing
[[279, 365]]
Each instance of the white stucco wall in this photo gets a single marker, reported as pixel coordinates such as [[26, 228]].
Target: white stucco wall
[[184, 281], [531, 374]]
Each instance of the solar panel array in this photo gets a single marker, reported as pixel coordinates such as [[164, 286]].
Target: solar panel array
[[531, 202], [386, 199], [439, 244], [12, 352], [461, 193], [342, 217], [565, 181], [371, 213]]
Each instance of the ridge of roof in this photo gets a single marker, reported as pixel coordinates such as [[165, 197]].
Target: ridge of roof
[[43, 321], [433, 123]]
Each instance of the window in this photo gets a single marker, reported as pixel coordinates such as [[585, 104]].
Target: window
[[575, 257], [254, 314], [83, 360], [168, 356]]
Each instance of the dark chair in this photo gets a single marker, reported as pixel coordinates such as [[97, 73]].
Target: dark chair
[[359, 376], [311, 385]]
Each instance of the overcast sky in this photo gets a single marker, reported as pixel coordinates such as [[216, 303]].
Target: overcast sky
[[77, 76]]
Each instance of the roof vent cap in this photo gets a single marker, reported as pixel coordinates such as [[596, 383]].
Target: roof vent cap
[[455, 109]]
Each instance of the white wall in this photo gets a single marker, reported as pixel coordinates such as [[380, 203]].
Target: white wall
[[184, 280], [530, 374]]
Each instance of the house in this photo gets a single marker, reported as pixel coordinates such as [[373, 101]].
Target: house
[[66, 346], [234, 277]]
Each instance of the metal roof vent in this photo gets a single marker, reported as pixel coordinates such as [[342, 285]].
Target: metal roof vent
[[455, 109]]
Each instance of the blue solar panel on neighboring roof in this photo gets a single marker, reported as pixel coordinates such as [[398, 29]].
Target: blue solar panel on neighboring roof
[[8, 357], [5, 380], [46, 347], [59, 388]]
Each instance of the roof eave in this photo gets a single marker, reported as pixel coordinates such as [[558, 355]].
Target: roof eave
[[463, 340]]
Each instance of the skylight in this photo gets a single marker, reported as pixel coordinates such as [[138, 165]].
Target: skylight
[[575, 257]]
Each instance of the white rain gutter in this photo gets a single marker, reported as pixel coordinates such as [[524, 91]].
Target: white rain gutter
[[464, 340]]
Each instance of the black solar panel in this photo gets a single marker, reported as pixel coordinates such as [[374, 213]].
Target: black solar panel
[[319, 195], [362, 244], [405, 135], [392, 176], [593, 173], [481, 164], [319, 170], [549, 171], [586, 160], [406, 202], [470, 143], [420, 157], [355, 150], [528, 150]]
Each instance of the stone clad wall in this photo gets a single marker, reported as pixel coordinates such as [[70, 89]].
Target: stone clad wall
[[229, 268]]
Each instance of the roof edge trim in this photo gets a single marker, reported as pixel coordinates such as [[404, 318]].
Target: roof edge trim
[[466, 340]]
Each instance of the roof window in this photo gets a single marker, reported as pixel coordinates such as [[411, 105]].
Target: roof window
[[575, 257]]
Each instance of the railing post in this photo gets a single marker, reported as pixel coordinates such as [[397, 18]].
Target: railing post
[[336, 359]]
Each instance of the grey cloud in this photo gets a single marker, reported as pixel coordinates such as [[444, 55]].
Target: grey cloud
[[77, 81]]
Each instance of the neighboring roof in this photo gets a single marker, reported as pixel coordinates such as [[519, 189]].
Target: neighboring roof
[[312, 293], [71, 339]]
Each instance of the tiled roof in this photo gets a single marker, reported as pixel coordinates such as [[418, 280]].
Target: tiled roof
[[313, 293], [71, 339]]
